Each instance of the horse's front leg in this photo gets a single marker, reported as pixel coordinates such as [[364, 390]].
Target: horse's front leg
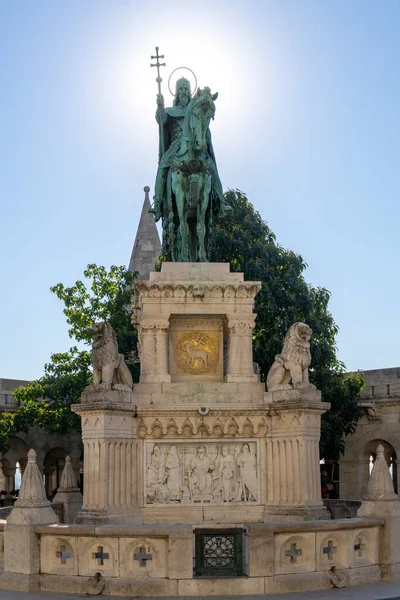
[[177, 188], [204, 198]]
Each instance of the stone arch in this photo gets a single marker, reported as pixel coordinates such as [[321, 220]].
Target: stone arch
[[354, 465], [17, 453]]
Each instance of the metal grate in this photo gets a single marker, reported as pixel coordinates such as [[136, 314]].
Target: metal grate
[[218, 553]]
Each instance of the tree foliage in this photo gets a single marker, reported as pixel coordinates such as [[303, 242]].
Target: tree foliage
[[46, 401], [245, 240]]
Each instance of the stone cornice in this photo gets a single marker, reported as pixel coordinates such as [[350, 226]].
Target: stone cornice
[[203, 289], [95, 407]]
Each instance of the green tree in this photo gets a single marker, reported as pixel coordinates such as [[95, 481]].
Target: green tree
[[46, 402], [245, 240]]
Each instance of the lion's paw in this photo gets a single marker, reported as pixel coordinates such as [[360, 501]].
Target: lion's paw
[[105, 385], [92, 386], [120, 387], [300, 385]]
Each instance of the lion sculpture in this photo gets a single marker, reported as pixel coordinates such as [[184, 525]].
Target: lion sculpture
[[290, 369], [109, 367]]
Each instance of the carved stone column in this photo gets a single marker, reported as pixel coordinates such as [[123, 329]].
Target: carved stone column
[[240, 349], [9, 474], [154, 351], [110, 457], [161, 355], [292, 466], [147, 350]]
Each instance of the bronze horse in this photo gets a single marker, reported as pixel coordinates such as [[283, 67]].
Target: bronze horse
[[191, 180]]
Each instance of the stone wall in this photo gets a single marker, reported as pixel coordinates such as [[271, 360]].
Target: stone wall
[[7, 387], [380, 424]]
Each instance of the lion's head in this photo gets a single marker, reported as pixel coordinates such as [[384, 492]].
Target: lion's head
[[296, 346], [104, 346]]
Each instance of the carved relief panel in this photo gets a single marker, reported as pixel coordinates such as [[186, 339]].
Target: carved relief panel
[[195, 348], [203, 472]]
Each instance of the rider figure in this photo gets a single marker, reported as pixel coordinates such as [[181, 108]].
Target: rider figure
[[171, 120]]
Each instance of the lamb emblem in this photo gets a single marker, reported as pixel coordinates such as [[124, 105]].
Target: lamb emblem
[[197, 352]]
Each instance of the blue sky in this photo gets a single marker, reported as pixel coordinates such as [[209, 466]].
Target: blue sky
[[307, 124]]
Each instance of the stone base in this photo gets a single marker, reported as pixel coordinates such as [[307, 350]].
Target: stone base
[[100, 397], [20, 582], [288, 513], [90, 516], [87, 516], [295, 396], [391, 572]]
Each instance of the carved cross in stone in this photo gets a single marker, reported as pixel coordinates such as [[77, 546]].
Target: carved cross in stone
[[359, 547], [293, 553], [142, 557], [100, 555], [330, 549], [63, 554]]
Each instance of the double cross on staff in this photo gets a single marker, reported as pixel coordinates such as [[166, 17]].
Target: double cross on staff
[[159, 80]]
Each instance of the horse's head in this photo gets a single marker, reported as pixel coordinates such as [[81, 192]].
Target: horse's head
[[202, 111]]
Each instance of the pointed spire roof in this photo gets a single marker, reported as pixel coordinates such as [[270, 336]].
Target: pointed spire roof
[[380, 484], [32, 493], [147, 246], [68, 479]]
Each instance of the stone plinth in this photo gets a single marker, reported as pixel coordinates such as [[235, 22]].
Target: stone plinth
[[199, 434], [292, 467], [110, 456]]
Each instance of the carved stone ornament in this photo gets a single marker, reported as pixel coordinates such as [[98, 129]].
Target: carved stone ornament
[[372, 409], [109, 368], [290, 369], [154, 324], [196, 352], [241, 326], [202, 472], [149, 289]]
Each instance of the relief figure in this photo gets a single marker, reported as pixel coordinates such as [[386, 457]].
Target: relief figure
[[227, 475], [247, 463], [208, 472], [200, 467], [157, 490], [174, 472]]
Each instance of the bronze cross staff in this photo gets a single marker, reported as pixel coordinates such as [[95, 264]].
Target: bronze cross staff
[[159, 80]]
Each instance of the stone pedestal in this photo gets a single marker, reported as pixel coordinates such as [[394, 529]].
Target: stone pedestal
[[110, 456], [199, 434], [292, 467]]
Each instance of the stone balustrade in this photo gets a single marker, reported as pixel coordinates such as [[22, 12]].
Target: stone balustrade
[[159, 560]]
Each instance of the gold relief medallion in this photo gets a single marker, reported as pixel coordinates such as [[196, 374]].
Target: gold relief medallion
[[196, 352]]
